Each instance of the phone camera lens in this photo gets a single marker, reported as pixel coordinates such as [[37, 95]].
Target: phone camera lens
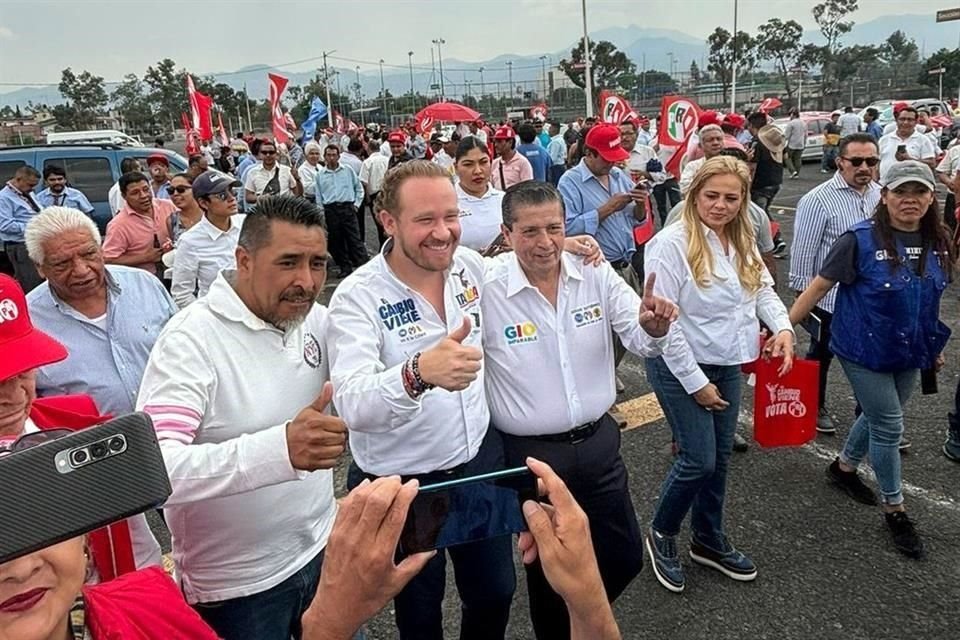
[[79, 456], [116, 444], [98, 450]]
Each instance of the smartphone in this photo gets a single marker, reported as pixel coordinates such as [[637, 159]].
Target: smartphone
[[813, 325], [69, 486], [470, 509], [902, 148]]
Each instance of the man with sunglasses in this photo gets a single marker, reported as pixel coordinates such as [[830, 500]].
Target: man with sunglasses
[[208, 247], [826, 212], [268, 177]]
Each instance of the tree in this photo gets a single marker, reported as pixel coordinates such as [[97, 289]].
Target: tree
[[129, 98], [168, 94], [900, 54], [855, 61], [830, 17], [607, 66], [724, 50], [654, 84], [780, 42], [85, 96], [949, 60], [695, 75]]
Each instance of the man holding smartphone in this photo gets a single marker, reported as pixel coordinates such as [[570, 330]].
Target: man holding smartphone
[[906, 143], [565, 314]]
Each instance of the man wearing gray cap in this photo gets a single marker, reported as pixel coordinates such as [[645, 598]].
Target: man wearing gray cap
[[208, 247], [892, 270]]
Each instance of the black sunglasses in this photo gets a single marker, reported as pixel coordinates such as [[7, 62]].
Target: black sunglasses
[[871, 162], [28, 440], [179, 190], [268, 153], [222, 196]]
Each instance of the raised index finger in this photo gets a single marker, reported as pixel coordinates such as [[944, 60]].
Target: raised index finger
[[648, 286]]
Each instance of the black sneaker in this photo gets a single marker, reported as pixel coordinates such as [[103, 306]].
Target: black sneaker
[[904, 444], [905, 537], [730, 562], [851, 484], [740, 444]]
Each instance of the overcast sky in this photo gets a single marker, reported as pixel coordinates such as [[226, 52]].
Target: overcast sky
[[112, 38]]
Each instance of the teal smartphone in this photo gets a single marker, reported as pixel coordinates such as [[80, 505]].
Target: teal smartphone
[[455, 512]]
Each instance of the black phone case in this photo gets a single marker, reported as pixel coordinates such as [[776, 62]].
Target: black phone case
[[41, 506]]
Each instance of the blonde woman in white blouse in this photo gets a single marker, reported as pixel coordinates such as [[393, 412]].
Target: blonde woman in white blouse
[[708, 264]]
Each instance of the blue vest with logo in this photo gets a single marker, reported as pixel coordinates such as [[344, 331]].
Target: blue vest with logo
[[888, 320]]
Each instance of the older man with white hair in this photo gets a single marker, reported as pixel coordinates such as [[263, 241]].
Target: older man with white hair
[[712, 142], [313, 153], [108, 316]]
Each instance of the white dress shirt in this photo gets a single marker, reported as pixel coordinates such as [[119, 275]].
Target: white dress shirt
[[308, 176], [221, 386], [372, 171], [480, 218], [258, 177], [688, 174], [719, 322], [918, 146], [376, 323], [203, 251], [441, 158], [351, 161], [550, 369]]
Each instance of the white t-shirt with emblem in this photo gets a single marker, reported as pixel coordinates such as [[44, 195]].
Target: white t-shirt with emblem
[[480, 218], [568, 347], [221, 386], [376, 323]]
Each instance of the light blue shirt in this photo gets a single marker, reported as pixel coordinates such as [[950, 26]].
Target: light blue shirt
[[543, 138], [244, 165], [69, 197], [105, 364], [557, 150], [338, 185], [15, 213], [583, 194]]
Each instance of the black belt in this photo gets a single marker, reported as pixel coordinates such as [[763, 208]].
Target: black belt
[[574, 436], [430, 477], [618, 265]]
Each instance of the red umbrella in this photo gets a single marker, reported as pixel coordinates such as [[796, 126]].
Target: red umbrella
[[769, 104], [448, 112]]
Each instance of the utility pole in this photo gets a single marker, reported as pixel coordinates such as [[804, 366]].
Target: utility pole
[[326, 84], [246, 100], [383, 93], [479, 105], [543, 72], [410, 62], [439, 42], [733, 68], [510, 76], [360, 98], [587, 78]]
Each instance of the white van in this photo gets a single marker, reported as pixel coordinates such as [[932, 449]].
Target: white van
[[97, 136]]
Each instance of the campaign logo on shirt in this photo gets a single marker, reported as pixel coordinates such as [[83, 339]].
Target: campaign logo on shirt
[[311, 351], [465, 212], [411, 333], [398, 314], [587, 315], [520, 333], [470, 292]]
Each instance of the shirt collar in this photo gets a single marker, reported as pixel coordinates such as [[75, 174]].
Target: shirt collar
[[517, 280], [113, 289], [223, 300], [388, 271], [839, 183], [489, 193], [212, 231]]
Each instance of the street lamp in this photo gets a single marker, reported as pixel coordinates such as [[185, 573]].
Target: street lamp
[[543, 73], [510, 77], [439, 42], [383, 91], [410, 62], [360, 97]]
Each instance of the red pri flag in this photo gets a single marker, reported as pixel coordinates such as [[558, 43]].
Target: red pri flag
[[339, 123], [200, 106], [539, 112], [424, 124], [193, 138], [615, 109], [224, 138], [277, 85], [678, 121]]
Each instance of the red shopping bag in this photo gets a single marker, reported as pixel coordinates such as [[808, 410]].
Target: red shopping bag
[[645, 230], [785, 409]]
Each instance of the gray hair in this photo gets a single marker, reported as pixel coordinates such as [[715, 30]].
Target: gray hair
[[708, 128], [53, 222], [530, 193], [311, 146]]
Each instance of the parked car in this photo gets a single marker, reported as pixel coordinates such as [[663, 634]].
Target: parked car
[[96, 136], [91, 168], [815, 121]]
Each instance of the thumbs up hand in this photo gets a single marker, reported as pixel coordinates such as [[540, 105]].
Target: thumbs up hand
[[314, 439], [450, 365]]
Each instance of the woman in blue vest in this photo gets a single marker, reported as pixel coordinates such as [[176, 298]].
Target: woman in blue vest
[[892, 270]]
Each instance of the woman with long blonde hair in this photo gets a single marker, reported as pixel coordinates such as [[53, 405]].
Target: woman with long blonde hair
[[709, 265]]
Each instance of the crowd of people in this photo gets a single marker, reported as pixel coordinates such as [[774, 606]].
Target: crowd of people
[[514, 267]]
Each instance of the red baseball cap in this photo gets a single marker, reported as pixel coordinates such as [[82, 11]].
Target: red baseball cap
[[22, 346], [708, 117], [397, 136], [504, 133], [604, 138], [899, 106], [157, 157], [734, 120]]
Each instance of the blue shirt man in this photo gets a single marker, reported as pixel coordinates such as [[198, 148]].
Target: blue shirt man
[[338, 184], [875, 130], [530, 149], [18, 205], [68, 197], [598, 196]]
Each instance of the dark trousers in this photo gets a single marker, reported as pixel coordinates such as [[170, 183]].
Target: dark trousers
[[381, 234], [273, 614], [596, 476], [24, 271], [483, 570], [346, 243], [763, 196], [953, 417], [950, 211], [820, 351], [556, 170], [664, 192]]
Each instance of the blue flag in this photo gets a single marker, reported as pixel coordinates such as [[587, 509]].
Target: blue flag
[[317, 110]]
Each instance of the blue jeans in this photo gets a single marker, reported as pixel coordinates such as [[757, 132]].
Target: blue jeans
[[273, 614], [829, 160], [879, 428], [697, 482]]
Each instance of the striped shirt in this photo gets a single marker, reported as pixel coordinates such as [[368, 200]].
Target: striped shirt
[[822, 216]]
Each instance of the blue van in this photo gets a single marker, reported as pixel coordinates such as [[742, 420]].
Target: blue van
[[91, 168]]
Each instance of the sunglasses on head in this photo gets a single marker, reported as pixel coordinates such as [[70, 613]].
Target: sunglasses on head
[[871, 162], [178, 190], [28, 440]]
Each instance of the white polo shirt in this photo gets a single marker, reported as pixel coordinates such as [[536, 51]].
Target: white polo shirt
[[550, 369], [221, 386], [258, 177], [372, 171], [202, 253], [918, 146], [480, 218], [376, 323]]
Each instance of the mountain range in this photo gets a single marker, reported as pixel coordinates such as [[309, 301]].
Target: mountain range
[[653, 47]]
